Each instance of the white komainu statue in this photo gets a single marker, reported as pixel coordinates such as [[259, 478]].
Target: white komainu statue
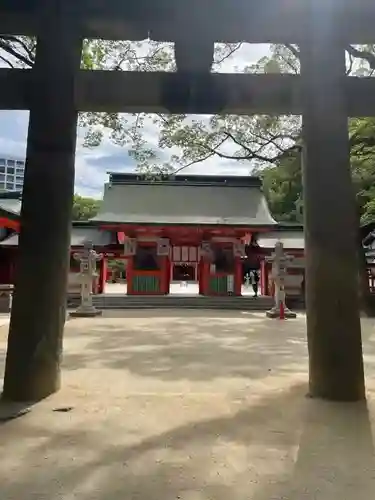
[[280, 263]]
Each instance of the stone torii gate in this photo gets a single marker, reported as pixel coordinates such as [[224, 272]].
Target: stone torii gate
[[56, 89]]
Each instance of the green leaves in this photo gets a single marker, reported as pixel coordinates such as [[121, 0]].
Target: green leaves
[[282, 185], [266, 144], [84, 208]]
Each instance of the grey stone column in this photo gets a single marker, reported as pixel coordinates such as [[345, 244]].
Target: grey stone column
[[333, 322], [38, 312]]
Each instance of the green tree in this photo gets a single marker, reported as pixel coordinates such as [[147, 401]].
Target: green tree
[[184, 141], [282, 185], [269, 145], [84, 208], [362, 136], [282, 181]]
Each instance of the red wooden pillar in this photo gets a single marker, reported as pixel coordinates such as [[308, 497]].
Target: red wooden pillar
[[238, 276], [269, 283], [129, 276], [169, 271], [200, 274], [204, 277], [263, 278], [165, 275], [102, 275]]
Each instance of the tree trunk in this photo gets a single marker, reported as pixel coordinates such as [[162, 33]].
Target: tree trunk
[[38, 313]]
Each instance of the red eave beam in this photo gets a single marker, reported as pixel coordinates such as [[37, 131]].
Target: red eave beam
[[10, 224]]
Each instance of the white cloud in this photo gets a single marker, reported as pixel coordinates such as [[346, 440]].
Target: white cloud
[[245, 56], [92, 165]]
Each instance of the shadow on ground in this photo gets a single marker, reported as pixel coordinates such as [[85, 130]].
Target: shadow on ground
[[239, 442], [285, 447], [191, 347]]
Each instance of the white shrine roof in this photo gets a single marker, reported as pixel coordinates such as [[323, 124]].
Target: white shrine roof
[[12, 206], [184, 204], [79, 236], [292, 240]]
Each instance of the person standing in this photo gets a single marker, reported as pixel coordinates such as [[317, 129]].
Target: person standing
[[254, 277]]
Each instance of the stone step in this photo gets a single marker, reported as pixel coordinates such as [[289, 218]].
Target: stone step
[[172, 301]]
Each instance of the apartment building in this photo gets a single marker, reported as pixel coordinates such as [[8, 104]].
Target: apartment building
[[11, 173]]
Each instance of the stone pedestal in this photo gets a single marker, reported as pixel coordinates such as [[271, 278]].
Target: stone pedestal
[[274, 313], [85, 312]]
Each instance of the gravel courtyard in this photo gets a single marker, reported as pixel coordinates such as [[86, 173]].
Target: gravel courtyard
[[188, 405]]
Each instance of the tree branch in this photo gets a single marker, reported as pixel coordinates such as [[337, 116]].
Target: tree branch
[[230, 53], [199, 160], [294, 50], [7, 62], [7, 47], [236, 141], [351, 61], [362, 54], [29, 51], [251, 155], [194, 162]]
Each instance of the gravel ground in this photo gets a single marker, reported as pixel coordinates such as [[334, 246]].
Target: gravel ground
[[190, 405]]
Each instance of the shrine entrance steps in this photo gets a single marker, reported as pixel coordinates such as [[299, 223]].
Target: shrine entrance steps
[[116, 301]]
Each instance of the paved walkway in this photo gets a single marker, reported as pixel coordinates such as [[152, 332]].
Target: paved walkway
[[176, 288], [193, 406], [4, 320]]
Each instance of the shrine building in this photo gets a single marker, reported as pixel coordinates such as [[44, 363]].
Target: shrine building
[[193, 225], [210, 230]]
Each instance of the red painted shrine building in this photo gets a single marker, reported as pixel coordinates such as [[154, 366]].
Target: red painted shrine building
[[206, 229], [193, 225]]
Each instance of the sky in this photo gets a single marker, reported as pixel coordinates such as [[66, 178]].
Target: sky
[[92, 165]]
